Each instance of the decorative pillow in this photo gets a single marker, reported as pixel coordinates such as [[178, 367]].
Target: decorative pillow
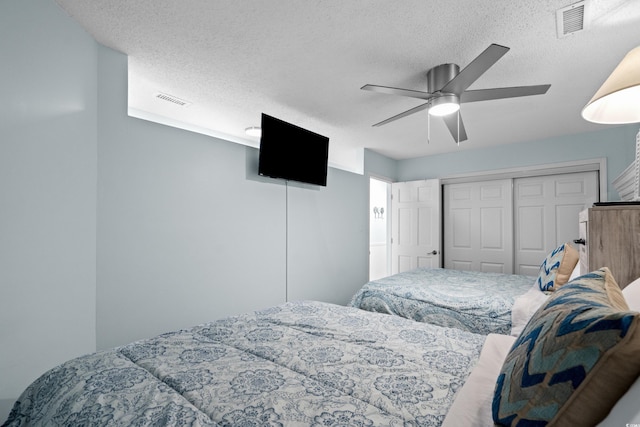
[[557, 267], [575, 358]]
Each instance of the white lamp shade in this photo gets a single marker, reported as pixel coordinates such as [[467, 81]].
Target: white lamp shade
[[618, 99]]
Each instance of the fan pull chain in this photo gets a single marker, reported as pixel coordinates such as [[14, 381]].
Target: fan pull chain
[[428, 128], [458, 137]]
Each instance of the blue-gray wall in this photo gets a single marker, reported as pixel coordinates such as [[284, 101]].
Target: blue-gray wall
[[185, 232], [616, 144], [189, 232], [115, 228], [48, 143], [380, 166]]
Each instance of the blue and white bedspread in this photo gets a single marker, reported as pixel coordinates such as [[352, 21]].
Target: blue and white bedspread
[[302, 364], [470, 300]]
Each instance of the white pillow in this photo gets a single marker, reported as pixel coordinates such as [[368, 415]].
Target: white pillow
[[627, 411], [523, 308], [472, 404], [632, 295], [526, 304], [576, 272]]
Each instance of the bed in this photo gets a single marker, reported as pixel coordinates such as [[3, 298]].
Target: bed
[[479, 302], [468, 300], [301, 363], [317, 364]]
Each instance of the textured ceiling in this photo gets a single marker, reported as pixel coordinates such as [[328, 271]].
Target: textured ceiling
[[305, 61]]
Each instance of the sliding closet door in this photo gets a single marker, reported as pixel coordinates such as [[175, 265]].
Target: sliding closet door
[[478, 226], [546, 212]]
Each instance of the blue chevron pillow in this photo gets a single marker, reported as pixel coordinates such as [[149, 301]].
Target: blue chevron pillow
[[575, 358], [557, 267]]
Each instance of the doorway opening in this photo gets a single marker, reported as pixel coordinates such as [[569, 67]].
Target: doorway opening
[[379, 228]]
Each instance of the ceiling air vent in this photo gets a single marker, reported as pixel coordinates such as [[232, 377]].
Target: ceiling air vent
[[571, 19], [173, 99]]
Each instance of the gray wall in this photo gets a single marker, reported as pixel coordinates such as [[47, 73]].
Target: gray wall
[[616, 144], [48, 140]]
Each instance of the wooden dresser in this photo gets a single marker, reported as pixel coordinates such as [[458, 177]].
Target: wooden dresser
[[610, 237]]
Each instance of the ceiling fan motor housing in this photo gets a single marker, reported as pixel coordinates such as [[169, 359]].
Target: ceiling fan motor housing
[[439, 76]]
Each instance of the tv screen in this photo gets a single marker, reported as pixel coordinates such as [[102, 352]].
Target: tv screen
[[290, 152]]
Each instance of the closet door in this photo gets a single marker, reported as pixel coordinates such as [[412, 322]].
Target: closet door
[[478, 226], [546, 210]]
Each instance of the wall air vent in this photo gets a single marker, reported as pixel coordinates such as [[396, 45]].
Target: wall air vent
[[571, 19], [173, 99]]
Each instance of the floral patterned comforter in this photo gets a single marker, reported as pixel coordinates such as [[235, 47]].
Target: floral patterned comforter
[[470, 300], [303, 363]]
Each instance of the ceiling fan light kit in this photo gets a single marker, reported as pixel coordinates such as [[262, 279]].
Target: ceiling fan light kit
[[444, 105], [447, 89]]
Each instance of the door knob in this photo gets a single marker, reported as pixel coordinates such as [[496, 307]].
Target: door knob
[[433, 252], [580, 242]]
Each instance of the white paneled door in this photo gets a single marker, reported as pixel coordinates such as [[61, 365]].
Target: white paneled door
[[546, 212], [415, 225], [478, 227]]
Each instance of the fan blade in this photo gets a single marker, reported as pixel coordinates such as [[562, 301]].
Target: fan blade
[[502, 92], [452, 123], [398, 91], [405, 114], [475, 69]]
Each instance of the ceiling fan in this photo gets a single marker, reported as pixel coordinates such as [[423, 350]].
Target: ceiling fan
[[447, 89]]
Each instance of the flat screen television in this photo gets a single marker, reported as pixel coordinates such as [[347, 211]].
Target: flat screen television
[[292, 153]]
